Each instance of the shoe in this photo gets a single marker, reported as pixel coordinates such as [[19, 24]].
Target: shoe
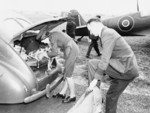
[[68, 100], [58, 95], [79, 39], [99, 54], [67, 97], [87, 57], [76, 42]]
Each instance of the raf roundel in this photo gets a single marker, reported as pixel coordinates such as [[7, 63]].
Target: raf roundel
[[126, 23]]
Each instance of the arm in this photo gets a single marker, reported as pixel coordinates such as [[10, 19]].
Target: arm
[[108, 46], [108, 42], [54, 48], [41, 32]]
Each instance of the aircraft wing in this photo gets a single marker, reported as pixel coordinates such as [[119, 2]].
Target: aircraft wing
[[81, 31]]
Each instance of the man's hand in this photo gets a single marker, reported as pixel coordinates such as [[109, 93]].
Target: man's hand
[[91, 87]]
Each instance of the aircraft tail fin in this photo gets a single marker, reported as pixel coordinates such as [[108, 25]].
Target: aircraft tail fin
[[81, 29], [138, 6], [78, 18]]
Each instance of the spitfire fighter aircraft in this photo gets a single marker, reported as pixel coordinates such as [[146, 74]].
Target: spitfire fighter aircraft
[[133, 24], [23, 77]]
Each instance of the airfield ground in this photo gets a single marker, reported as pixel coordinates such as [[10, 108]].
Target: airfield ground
[[135, 99]]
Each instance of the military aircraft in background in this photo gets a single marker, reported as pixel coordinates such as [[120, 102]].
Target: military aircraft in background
[[133, 24]]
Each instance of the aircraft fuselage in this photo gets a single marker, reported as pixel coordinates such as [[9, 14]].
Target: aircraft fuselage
[[131, 24]]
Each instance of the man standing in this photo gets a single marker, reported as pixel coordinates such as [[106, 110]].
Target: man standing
[[93, 44], [117, 60]]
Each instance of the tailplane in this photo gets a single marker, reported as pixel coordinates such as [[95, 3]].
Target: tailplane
[[81, 29], [78, 18]]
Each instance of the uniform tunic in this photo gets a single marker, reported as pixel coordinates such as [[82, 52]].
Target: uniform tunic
[[69, 48], [116, 55]]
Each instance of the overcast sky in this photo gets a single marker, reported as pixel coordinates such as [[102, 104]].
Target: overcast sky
[[110, 7]]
